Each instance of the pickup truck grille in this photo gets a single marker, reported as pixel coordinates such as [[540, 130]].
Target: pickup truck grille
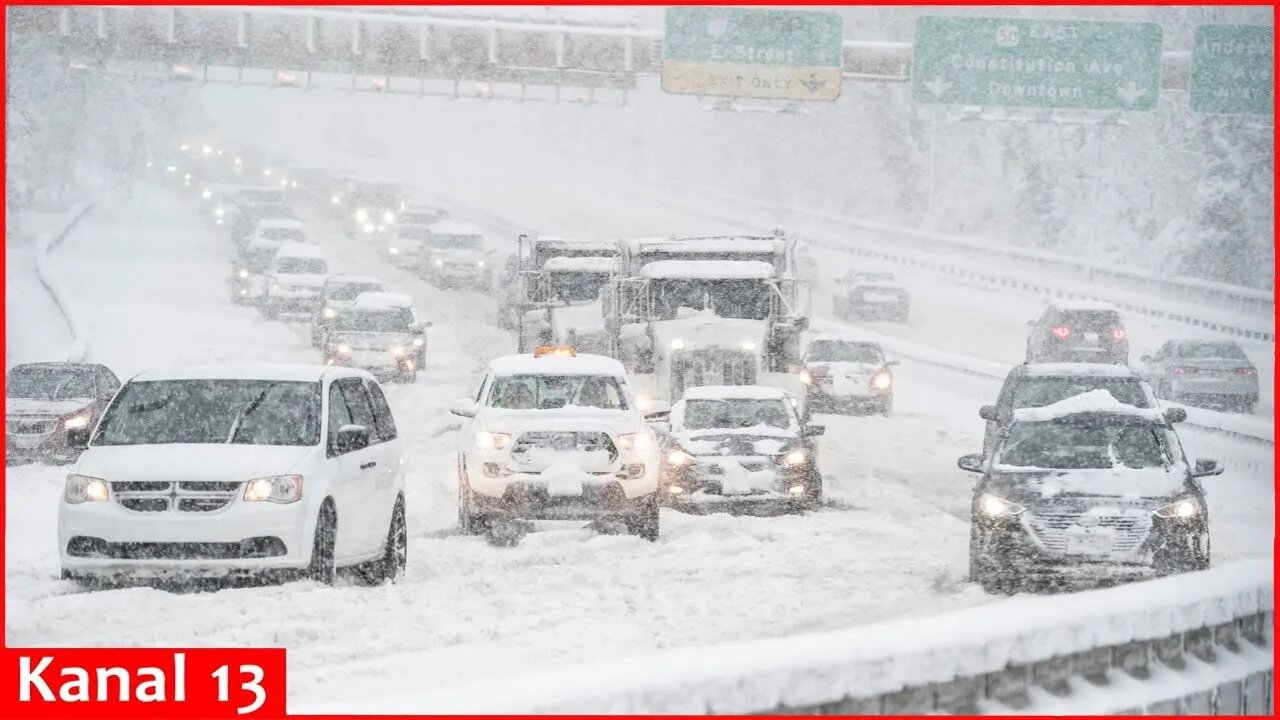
[[566, 441]]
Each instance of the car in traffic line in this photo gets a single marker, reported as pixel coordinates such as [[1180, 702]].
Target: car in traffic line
[[338, 292], [294, 279], [556, 435], [279, 470], [1088, 488], [1207, 373], [736, 447], [453, 254], [1040, 384], [873, 294], [379, 332], [45, 401], [1078, 331], [843, 374]]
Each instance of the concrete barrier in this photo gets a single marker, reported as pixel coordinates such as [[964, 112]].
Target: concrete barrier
[[78, 350]]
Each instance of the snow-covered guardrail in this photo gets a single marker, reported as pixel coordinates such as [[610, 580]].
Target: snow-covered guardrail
[[1196, 643], [1187, 291], [49, 278]]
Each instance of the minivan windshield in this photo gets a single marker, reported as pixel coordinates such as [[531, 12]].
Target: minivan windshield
[[248, 412], [1085, 442], [301, 266], [42, 382], [345, 291], [282, 234], [551, 392], [388, 320]]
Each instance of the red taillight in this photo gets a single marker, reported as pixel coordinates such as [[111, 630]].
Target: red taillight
[[1246, 371], [1062, 332], [1118, 333], [1185, 371]]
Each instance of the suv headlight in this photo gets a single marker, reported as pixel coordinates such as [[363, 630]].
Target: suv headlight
[[78, 421], [635, 441], [277, 489], [82, 488], [996, 506], [485, 440], [797, 456], [329, 313], [881, 381], [1181, 509]]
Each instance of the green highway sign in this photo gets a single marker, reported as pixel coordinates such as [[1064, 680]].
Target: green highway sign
[[741, 52], [1036, 63], [1231, 69]]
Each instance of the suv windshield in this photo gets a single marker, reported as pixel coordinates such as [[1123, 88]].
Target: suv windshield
[[835, 351], [250, 412], [37, 382], [389, 320], [551, 392], [456, 242], [1085, 442], [282, 234], [735, 413], [348, 291], [301, 266], [1208, 350], [1033, 391], [1091, 320]]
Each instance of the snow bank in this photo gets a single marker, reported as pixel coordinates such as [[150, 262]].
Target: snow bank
[[868, 661], [78, 351]]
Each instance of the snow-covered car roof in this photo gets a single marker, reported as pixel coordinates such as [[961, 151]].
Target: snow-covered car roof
[[282, 372], [724, 244], [602, 265], [1094, 401], [353, 280], [604, 246], [454, 227], [581, 364], [383, 300], [281, 224], [709, 269], [1085, 305], [299, 249], [735, 392], [1078, 369]]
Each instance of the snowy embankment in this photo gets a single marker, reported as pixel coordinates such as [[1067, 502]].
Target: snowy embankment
[[873, 661], [52, 281], [40, 313]]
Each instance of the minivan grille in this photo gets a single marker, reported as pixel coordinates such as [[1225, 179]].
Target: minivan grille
[[176, 496], [30, 427]]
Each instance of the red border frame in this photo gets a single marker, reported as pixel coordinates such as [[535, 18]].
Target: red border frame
[[8, 705]]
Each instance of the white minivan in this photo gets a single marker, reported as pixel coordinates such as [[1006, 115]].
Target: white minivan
[[258, 469]]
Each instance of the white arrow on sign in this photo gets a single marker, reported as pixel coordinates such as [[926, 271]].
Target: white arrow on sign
[[1130, 93], [937, 86]]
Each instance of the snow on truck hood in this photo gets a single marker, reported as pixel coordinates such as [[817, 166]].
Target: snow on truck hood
[[707, 330], [33, 406], [220, 462], [620, 422]]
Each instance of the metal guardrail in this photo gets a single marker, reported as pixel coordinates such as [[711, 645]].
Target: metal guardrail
[[78, 351]]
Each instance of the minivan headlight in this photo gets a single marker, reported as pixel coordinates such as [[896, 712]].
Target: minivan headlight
[[635, 441], [82, 488], [996, 506], [277, 489], [1180, 509]]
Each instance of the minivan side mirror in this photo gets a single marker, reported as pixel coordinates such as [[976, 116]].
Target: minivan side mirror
[[1206, 467], [813, 430], [464, 408], [78, 438], [1175, 414], [987, 412], [351, 438], [971, 463]]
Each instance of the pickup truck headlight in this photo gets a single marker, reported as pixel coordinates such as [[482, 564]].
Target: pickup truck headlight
[[1180, 509], [996, 506], [635, 441], [82, 488], [277, 489], [485, 440]]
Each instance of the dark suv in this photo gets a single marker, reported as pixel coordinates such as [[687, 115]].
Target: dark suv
[[1037, 385], [1091, 489], [1081, 331], [43, 401]]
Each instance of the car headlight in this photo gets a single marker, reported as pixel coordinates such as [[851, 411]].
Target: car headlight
[[419, 342], [344, 349], [362, 215], [995, 506], [635, 441], [397, 351], [206, 194], [294, 183], [480, 264], [219, 211], [276, 489], [388, 217], [78, 421], [678, 457], [805, 377], [796, 457], [881, 381], [1181, 509], [439, 262], [394, 250], [368, 227], [284, 182], [335, 200], [748, 345], [243, 274], [677, 344], [82, 488], [170, 168], [329, 313], [485, 440]]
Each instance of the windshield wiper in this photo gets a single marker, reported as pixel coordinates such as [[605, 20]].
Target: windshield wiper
[[245, 411]]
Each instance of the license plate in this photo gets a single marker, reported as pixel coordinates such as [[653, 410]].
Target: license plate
[[1091, 338], [1089, 541]]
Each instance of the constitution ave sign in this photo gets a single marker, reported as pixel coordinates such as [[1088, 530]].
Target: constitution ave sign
[[1036, 63], [738, 52], [1231, 69]]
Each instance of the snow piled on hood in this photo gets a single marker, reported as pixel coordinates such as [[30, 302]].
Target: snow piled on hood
[[1098, 401]]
